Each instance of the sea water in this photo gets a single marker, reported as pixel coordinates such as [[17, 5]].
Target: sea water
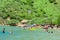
[[25, 34]]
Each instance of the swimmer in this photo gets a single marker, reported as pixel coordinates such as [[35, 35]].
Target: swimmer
[[10, 31], [3, 31]]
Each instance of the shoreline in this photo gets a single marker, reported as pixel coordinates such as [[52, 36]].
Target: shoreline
[[26, 27]]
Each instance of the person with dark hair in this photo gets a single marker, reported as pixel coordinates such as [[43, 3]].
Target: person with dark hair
[[3, 31]]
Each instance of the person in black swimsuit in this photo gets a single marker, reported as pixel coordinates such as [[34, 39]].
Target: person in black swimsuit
[[3, 31]]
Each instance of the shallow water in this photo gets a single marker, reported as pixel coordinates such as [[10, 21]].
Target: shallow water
[[25, 34]]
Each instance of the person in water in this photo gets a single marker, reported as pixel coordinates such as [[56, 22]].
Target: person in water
[[10, 31], [46, 28], [3, 31]]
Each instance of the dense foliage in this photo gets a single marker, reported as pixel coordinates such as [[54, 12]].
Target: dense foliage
[[39, 11]]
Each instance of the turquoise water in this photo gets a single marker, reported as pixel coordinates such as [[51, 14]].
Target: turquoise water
[[25, 34]]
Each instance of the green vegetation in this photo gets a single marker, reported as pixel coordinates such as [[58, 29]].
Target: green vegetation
[[39, 11]]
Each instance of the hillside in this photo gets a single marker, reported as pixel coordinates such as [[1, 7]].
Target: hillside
[[39, 11]]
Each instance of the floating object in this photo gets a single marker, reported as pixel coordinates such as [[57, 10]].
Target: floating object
[[33, 28]]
